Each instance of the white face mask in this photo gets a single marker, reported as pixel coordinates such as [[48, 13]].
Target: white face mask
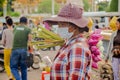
[[63, 32]]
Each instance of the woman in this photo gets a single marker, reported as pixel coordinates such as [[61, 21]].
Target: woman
[[114, 50], [7, 41], [73, 61]]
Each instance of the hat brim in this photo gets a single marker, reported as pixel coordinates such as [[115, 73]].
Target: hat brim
[[81, 22]]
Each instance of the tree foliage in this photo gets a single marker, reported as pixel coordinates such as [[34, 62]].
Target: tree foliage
[[86, 5], [1, 7], [14, 14], [113, 7], [28, 2], [102, 6], [1, 3], [46, 6]]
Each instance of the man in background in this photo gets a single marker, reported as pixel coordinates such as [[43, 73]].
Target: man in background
[[19, 52]]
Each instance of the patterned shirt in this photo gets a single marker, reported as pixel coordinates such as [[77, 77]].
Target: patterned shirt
[[73, 61]]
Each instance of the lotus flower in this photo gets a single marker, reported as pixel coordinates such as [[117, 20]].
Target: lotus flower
[[93, 48], [94, 65], [93, 56], [95, 44], [92, 42], [95, 36], [97, 52], [97, 31], [96, 59]]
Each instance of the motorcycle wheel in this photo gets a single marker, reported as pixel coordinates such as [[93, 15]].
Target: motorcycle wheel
[[36, 62], [2, 66], [45, 49]]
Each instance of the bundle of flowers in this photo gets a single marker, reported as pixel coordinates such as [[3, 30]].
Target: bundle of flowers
[[95, 42], [44, 38]]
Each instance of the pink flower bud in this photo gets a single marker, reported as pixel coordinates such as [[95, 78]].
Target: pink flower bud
[[92, 42], [94, 65], [96, 59], [93, 48], [97, 52]]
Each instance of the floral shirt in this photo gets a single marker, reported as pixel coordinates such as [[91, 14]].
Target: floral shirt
[[73, 61]]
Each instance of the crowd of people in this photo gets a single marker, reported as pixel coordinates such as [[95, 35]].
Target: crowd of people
[[74, 59]]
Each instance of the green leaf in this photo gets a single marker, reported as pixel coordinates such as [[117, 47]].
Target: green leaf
[[113, 7], [46, 7]]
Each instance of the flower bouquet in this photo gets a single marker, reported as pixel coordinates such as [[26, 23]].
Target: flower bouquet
[[95, 43]]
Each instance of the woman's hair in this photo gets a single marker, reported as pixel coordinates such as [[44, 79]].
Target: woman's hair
[[7, 17], [81, 30], [118, 19], [85, 29], [9, 22]]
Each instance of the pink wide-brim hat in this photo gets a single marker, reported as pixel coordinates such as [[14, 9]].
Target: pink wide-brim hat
[[70, 13]]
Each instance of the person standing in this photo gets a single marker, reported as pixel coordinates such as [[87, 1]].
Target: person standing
[[19, 52], [31, 24], [73, 61], [96, 25], [7, 41], [4, 27], [114, 50]]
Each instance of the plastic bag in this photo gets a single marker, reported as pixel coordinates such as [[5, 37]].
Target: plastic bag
[[47, 61], [29, 60]]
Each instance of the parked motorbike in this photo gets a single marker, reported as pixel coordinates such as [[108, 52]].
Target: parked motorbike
[[1, 59], [1, 65], [36, 60]]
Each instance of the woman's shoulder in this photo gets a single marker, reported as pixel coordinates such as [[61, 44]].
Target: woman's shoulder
[[8, 30], [5, 30]]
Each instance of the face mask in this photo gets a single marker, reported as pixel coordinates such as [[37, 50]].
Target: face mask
[[54, 28], [63, 32]]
